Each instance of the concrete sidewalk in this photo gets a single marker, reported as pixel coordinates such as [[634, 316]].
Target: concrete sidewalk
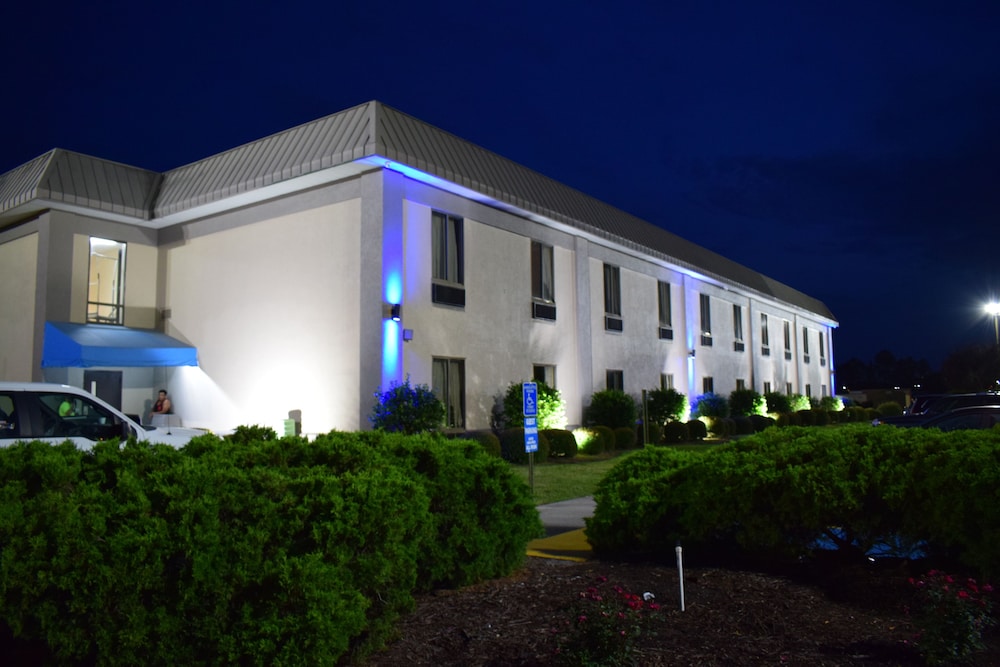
[[564, 537]]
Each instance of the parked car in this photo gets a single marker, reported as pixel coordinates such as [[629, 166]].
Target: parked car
[[56, 413], [936, 405], [976, 417]]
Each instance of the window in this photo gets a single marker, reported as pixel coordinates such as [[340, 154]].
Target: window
[[805, 345], [448, 279], [788, 388], [707, 385], [788, 340], [9, 422], [615, 380], [822, 390], [767, 387], [449, 385], [809, 391], [612, 298], [822, 350], [106, 290], [738, 344], [666, 319], [69, 415], [765, 338], [543, 373], [706, 320], [666, 381], [741, 384], [543, 294]]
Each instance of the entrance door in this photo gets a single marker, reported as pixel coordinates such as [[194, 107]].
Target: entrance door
[[105, 385]]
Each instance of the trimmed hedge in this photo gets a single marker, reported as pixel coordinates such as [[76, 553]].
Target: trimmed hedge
[[252, 552], [562, 444], [625, 438], [595, 440], [512, 446], [778, 493]]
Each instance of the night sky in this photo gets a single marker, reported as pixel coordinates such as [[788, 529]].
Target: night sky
[[848, 149]]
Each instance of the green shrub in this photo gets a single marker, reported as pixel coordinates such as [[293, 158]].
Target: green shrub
[[831, 403], [407, 409], [889, 409], [487, 439], [778, 403], [746, 402], [245, 434], [260, 552], [675, 432], [760, 422], [710, 405], [663, 405], [798, 402], [551, 407], [697, 430], [624, 437], [774, 494], [562, 444], [742, 425], [595, 440], [650, 433], [512, 446], [611, 408]]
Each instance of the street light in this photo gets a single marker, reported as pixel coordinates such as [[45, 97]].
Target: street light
[[993, 310]]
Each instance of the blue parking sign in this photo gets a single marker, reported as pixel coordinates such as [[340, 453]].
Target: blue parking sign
[[529, 392], [530, 435]]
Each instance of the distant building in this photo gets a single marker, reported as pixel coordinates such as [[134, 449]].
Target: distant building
[[306, 270]]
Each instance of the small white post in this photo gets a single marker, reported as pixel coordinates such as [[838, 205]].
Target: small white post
[[680, 572]]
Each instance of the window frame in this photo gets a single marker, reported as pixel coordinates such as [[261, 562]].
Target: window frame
[[447, 259], [614, 379], [664, 304], [445, 373], [705, 307], [612, 298], [738, 344], [98, 260], [765, 336]]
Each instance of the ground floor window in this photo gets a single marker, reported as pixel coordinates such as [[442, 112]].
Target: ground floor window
[[616, 380], [707, 385], [448, 384], [544, 373]]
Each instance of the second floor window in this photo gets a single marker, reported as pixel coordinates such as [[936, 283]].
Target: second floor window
[[106, 289], [706, 320], [612, 298], [822, 350], [448, 258], [542, 279], [738, 344], [788, 339], [765, 338], [543, 295], [666, 317], [805, 345]]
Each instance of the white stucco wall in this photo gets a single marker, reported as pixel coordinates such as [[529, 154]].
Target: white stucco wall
[[273, 309], [18, 280], [494, 333]]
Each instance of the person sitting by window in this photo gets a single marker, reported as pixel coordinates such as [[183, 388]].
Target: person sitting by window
[[162, 405]]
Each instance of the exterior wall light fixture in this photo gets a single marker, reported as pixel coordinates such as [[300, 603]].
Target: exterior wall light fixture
[[396, 312]]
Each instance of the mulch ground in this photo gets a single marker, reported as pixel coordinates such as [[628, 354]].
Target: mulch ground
[[853, 616]]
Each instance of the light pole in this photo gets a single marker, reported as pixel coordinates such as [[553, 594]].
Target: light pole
[[993, 310]]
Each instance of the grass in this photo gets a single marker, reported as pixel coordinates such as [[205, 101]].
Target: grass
[[574, 478], [578, 477]]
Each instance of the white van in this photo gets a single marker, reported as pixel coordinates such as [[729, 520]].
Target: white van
[[56, 413]]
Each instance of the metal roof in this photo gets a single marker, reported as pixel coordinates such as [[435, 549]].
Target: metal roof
[[80, 180], [370, 130]]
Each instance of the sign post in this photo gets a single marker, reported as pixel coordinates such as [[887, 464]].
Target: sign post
[[529, 396]]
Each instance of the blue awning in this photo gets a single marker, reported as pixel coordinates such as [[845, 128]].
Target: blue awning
[[88, 345]]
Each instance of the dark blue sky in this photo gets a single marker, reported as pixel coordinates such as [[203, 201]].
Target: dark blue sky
[[848, 149]]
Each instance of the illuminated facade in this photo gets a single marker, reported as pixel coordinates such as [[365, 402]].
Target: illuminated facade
[[281, 262]]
